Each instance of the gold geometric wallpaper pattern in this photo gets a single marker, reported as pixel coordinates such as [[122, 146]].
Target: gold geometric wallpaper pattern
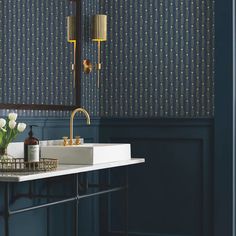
[[35, 55], [89, 90], [159, 59]]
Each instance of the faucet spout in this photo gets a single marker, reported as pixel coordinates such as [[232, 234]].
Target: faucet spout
[[72, 121]]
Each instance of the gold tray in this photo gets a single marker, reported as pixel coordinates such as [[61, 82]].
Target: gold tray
[[19, 165]]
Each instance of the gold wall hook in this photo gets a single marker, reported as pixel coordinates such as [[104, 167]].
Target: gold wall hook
[[88, 66]]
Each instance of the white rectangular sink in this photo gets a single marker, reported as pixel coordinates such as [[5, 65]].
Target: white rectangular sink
[[88, 153]]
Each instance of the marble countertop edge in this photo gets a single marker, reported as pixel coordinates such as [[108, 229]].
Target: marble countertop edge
[[65, 170]]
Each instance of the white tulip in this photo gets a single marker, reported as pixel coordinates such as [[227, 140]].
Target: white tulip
[[12, 124], [2, 123], [21, 127], [12, 116]]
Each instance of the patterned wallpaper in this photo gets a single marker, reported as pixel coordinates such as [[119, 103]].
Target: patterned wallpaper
[[159, 59], [89, 90], [35, 55]]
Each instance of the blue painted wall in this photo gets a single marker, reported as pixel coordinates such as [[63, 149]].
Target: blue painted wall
[[171, 194], [224, 158]]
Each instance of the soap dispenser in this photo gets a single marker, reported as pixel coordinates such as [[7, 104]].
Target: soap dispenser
[[31, 148]]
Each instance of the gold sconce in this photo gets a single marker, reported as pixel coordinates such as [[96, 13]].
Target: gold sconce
[[71, 37], [99, 34]]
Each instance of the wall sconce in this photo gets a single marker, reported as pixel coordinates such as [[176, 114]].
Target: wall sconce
[[99, 34], [71, 37]]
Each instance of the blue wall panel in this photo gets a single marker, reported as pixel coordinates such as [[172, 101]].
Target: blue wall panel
[[224, 158], [171, 194]]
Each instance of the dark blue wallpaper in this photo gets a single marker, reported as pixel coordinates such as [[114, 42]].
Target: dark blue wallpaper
[[159, 59], [35, 55], [89, 90]]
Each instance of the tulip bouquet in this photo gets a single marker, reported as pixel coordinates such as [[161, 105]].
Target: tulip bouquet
[[8, 131]]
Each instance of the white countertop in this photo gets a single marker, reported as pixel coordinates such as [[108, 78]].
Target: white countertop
[[64, 170]]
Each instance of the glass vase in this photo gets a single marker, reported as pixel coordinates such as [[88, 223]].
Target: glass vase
[[3, 154]]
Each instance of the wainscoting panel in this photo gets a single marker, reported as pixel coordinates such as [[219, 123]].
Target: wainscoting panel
[[171, 194]]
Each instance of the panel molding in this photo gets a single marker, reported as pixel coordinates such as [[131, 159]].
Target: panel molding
[[148, 234], [145, 234], [199, 130], [55, 128], [143, 130], [151, 121]]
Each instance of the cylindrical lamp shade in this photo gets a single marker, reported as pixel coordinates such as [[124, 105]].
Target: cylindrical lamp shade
[[71, 29], [99, 28]]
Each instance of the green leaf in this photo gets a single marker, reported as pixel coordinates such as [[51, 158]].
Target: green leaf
[[1, 136]]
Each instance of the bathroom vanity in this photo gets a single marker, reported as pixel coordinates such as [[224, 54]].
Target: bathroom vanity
[[75, 171]]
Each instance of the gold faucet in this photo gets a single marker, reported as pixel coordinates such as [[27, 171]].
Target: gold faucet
[[72, 119]]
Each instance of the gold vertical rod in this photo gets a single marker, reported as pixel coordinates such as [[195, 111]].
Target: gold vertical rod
[[99, 62], [74, 63]]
